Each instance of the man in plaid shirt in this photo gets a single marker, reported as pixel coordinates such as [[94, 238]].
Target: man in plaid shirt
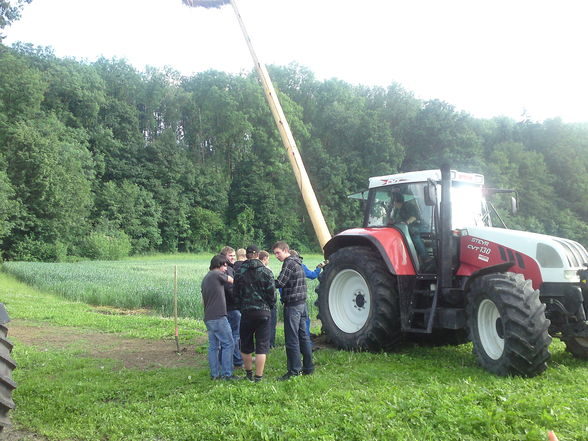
[[292, 281]]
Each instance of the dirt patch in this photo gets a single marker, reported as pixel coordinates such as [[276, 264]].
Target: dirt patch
[[14, 434], [134, 353]]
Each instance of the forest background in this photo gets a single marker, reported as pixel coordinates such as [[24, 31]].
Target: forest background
[[100, 160]]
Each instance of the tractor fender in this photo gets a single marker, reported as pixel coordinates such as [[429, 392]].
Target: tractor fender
[[478, 253], [388, 242], [499, 268]]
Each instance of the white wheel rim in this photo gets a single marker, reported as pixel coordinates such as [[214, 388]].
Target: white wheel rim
[[489, 321], [349, 301]]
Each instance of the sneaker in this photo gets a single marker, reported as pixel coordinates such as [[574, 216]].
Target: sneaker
[[257, 379], [215, 378], [307, 372], [287, 376], [248, 375], [230, 378]]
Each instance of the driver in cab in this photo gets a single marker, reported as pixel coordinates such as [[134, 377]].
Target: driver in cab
[[408, 213]]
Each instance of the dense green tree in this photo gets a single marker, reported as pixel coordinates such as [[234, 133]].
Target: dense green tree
[[51, 171], [130, 208], [8, 206]]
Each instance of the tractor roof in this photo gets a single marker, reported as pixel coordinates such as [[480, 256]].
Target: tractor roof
[[423, 176]]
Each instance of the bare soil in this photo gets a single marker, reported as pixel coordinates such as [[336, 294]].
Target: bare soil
[[133, 353]]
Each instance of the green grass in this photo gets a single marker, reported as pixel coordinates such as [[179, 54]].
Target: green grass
[[419, 393], [142, 282]]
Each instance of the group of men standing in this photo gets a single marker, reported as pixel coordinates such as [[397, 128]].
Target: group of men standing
[[238, 302]]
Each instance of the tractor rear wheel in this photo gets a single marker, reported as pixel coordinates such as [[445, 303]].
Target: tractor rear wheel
[[358, 301], [577, 346], [507, 325]]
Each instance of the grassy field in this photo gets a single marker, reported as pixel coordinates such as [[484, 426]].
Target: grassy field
[[419, 393], [135, 283]]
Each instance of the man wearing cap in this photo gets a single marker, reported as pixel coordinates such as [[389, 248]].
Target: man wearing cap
[[255, 294]]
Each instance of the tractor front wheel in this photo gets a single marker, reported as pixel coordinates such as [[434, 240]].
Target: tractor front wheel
[[507, 325], [358, 301]]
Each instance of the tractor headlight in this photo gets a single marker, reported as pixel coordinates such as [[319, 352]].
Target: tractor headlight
[[548, 257]]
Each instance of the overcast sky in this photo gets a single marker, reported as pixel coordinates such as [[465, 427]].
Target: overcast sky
[[486, 57]]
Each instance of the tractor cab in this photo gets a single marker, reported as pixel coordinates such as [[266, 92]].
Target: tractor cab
[[408, 202]]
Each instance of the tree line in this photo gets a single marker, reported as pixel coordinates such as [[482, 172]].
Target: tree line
[[101, 160]]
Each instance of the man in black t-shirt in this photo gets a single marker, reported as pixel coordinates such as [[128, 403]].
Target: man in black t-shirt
[[220, 337]]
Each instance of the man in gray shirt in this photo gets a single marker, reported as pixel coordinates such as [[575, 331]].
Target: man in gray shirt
[[215, 318]]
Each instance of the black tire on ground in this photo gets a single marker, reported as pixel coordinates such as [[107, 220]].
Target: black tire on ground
[[507, 325], [358, 301], [7, 365], [577, 346]]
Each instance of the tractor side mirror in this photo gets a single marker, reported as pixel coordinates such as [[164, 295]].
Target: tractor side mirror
[[430, 194]]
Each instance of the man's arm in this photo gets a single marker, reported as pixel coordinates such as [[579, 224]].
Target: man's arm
[[284, 276], [311, 274]]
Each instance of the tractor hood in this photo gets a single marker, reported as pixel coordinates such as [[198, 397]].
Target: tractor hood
[[559, 259]]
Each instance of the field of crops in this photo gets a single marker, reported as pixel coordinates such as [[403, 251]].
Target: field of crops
[[136, 283]]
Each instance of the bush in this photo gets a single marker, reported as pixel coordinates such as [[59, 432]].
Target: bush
[[31, 250], [106, 245]]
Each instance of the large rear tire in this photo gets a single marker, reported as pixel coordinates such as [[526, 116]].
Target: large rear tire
[[7, 365], [358, 301], [507, 325], [577, 346]]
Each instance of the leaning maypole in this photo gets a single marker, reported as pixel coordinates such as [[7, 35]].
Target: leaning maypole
[[312, 206]]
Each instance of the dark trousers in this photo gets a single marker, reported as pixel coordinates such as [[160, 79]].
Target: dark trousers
[[297, 340]]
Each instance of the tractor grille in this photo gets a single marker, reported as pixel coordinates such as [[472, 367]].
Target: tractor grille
[[576, 253]]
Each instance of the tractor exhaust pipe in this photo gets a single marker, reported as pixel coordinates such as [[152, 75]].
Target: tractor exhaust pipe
[[446, 236]]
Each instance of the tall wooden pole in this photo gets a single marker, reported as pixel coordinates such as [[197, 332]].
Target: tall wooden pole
[[308, 195], [176, 306]]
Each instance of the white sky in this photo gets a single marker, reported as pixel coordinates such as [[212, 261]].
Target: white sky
[[487, 57]]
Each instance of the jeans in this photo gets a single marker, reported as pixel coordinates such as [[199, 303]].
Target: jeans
[[415, 234], [273, 326], [234, 318], [220, 339], [297, 340]]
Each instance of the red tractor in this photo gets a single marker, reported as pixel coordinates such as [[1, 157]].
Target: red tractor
[[429, 261]]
